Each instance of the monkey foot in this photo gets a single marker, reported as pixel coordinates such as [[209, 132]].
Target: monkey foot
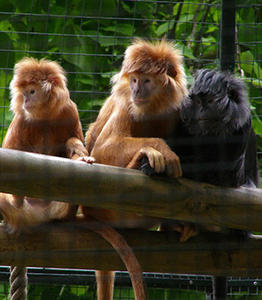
[[187, 231]]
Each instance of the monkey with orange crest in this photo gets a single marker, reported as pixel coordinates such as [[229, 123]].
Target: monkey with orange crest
[[142, 111]]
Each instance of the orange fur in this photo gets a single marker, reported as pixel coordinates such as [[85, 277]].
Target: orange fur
[[50, 76], [120, 120], [135, 119], [45, 121], [50, 125]]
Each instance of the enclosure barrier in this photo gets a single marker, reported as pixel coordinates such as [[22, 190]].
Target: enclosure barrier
[[72, 245]]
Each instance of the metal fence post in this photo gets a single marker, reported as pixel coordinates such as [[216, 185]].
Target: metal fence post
[[227, 35], [227, 63]]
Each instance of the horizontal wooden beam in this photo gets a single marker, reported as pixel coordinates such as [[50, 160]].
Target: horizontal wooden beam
[[103, 186], [72, 245]]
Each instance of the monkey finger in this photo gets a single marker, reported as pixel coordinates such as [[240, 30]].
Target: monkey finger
[[157, 160], [162, 164], [87, 159], [157, 163], [151, 161]]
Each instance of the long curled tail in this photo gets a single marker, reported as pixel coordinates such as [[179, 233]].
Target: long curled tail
[[127, 255]]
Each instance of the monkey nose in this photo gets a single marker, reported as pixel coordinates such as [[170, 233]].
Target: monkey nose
[[137, 90]]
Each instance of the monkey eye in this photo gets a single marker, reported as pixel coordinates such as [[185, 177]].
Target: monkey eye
[[32, 92], [197, 100], [147, 80], [134, 80]]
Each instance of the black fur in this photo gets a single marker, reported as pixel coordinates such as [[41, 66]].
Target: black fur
[[215, 140]]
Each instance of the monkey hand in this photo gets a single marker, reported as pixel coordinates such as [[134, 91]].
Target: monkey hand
[[172, 167], [75, 148], [145, 167], [155, 159]]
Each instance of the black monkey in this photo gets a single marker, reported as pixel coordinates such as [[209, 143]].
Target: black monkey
[[215, 140], [219, 145]]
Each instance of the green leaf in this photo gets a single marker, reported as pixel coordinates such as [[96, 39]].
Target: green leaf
[[257, 125], [211, 29], [125, 29], [185, 18], [188, 52], [165, 27], [207, 41], [256, 82], [249, 64], [126, 7], [87, 81]]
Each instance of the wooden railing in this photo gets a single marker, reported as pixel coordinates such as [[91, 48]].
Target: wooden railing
[[73, 245]]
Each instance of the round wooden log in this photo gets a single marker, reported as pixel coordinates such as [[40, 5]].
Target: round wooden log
[[72, 245], [103, 186]]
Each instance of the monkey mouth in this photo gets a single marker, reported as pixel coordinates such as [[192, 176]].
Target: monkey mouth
[[28, 104]]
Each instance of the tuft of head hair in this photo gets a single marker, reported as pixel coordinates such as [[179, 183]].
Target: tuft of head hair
[[152, 58], [48, 74]]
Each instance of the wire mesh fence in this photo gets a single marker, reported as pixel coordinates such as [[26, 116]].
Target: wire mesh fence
[[50, 283], [88, 38]]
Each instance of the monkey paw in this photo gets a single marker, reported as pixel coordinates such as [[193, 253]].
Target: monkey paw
[[87, 159], [187, 231], [155, 158], [150, 156]]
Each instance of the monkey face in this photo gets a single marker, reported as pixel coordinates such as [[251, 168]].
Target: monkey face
[[202, 114], [33, 96], [143, 88], [217, 104]]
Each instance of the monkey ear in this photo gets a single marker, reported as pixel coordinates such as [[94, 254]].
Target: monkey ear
[[171, 71], [47, 86], [51, 82], [54, 80]]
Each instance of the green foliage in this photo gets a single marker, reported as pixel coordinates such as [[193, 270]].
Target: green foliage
[[89, 37], [65, 292]]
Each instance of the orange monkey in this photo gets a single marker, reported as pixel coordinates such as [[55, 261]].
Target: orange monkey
[[142, 110], [45, 121]]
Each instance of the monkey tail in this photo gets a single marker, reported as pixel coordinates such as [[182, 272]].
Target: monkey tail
[[125, 252], [32, 212]]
